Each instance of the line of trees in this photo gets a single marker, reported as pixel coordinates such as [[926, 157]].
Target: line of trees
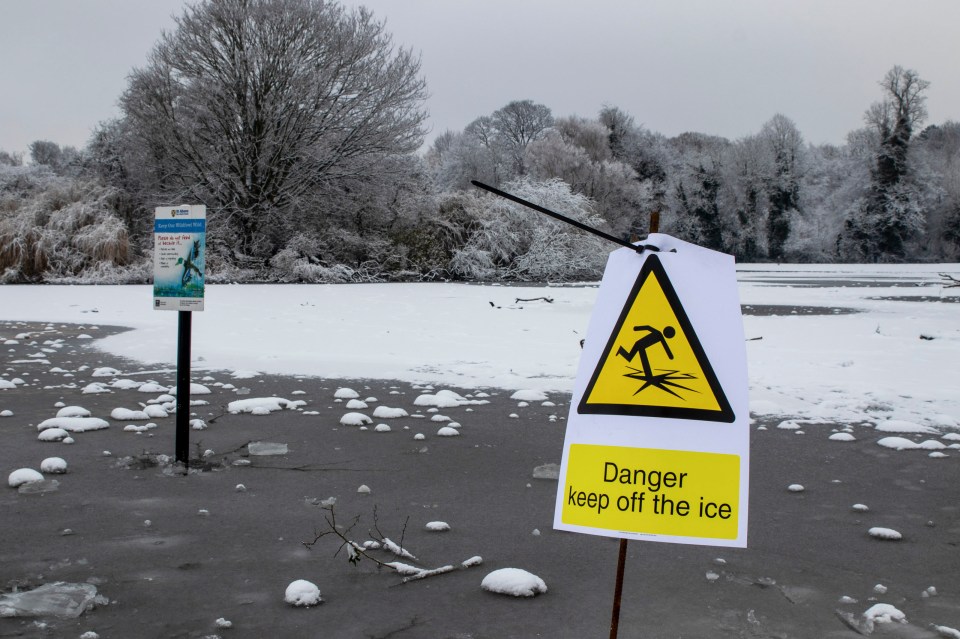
[[299, 123]]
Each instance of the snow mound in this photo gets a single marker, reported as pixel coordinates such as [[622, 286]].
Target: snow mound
[[796, 488], [262, 405], [95, 388], [53, 465], [195, 389], [887, 534], [125, 384], [382, 428], [356, 404], [902, 426], [446, 399], [244, 374], [447, 431], [73, 411], [897, 443], [73, 424], [302, 593], [151, 387], [346, 393], [104, 371], [437, 526], [385, 412], [127, 415], [355, 419], [23, 476], [514, 582], [884, 613], [842, 437], [529, 396], [52, 435]]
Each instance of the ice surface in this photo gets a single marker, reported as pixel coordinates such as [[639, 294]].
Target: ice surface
[[59, 599], [263, 449], [547, 471], [515, 582]]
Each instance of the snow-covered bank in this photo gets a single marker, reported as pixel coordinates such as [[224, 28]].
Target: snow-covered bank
[[870, 365]]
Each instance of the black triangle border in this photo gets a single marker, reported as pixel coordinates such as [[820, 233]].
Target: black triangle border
[[725, 414]]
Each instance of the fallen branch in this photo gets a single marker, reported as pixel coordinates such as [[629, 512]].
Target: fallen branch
[[949, 281], [356, 552], [548, 300]]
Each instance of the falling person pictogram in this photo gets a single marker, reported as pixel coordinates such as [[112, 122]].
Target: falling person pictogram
[[664, 378]]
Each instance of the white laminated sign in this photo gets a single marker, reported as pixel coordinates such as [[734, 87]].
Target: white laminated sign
[[657, 440], [179, 240]]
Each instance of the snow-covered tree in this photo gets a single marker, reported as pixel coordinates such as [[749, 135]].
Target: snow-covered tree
[[255, 107], [508, 241], [891, 214]]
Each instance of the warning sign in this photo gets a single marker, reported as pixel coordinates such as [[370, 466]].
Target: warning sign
[[665, 492], [657, 439], [653, 363]]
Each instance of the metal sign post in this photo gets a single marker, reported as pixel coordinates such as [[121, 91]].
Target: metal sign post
[[179, 240]]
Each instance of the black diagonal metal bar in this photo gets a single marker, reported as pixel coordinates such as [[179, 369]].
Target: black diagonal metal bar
[[557, 216]]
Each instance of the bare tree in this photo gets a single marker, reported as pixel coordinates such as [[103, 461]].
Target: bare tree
[[252, 105], [517, 125]]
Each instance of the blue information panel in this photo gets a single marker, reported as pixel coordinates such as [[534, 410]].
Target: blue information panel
[[179, 247]]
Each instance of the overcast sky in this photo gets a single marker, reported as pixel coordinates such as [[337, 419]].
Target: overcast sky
[[722, 67]]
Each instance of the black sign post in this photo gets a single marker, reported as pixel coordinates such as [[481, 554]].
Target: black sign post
[[183, 388]]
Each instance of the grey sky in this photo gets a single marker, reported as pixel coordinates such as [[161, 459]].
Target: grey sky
[[722, 67]]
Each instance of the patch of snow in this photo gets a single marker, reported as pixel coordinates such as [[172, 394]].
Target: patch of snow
[[437, 526], [355, 419], [52, 435], [887, 534], [53, 465], [302, 593], [346, 393], [127, 415], [356, 404], [104, 371], [195, 389], [262, 405], [897, 443], [529, 396], [446, 431], [447, 399], [843, 437], [244, 374], [23, 476], [514, 582], [903, 426], [382, 428], [73, 424], [796, 488], [363, 489], [884, 613], [385, 412], [95, 388], [73, 411]]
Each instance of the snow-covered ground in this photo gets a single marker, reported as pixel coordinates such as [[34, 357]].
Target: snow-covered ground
[[891, 359]]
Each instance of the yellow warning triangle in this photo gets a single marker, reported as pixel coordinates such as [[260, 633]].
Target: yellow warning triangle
[[653, 364]]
